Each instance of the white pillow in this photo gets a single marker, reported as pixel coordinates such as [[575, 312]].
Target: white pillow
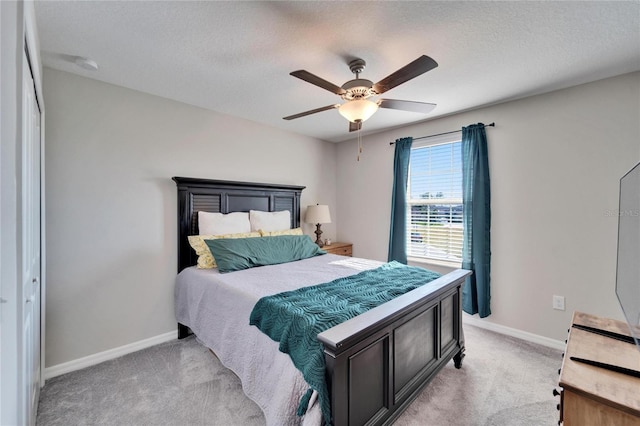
[[270, 221], [220, 224]]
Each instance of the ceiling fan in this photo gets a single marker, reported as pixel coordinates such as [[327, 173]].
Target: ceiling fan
[[356, 93]]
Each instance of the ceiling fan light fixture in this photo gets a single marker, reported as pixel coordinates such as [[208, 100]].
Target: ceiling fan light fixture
[[358, 110], [356, 93]]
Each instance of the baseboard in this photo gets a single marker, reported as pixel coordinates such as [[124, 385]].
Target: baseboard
[[513, 332], [80, 363], [87, 361]]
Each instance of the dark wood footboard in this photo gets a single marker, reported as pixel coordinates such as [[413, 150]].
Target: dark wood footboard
[[378, 362]]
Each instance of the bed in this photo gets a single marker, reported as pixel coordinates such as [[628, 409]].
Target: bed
[[376, 362]]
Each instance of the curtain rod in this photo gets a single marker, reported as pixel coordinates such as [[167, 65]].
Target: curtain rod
[[445, 133]]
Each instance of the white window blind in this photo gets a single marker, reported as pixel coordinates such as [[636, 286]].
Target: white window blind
[[434, 201]]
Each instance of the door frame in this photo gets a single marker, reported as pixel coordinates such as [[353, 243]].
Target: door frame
[[12, 45], [17, 30]]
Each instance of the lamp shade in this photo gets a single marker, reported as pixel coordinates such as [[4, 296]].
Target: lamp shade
[[358, 110], [318, 213]]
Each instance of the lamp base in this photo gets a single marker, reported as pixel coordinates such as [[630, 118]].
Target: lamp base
[[318, 233]]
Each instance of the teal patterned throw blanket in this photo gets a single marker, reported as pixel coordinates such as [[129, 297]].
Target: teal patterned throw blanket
[[295, 318]]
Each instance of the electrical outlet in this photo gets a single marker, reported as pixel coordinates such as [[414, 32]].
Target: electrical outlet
[[558, 303]]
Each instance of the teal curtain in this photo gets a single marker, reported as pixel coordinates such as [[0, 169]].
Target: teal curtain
[[398, 233], [476, 198]]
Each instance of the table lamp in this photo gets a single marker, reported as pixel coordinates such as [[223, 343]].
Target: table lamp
[[318, 214]]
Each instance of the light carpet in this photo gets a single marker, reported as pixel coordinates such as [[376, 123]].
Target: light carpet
[[503, 381]]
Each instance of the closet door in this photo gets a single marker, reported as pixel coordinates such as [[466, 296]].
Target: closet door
[[31, 243]]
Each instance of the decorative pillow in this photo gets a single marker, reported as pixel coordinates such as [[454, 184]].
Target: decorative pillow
[[269, 221], [205, 259], [294, 231], [223, 224], [245, 253]]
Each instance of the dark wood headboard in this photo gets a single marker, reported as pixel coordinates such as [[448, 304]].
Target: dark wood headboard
[[220, 196]]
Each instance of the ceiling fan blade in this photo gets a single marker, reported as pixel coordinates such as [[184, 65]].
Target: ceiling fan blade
[[353, 127], [406, 73], [320, 82], [421, 107], [313, 111]]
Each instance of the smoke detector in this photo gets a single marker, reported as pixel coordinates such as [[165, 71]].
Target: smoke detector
[[86, 63]]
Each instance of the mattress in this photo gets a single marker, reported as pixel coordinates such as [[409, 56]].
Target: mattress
[[216, 307]]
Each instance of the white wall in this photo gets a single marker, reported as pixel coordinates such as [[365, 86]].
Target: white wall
[[555, 163], [111, 209], [11, 43]]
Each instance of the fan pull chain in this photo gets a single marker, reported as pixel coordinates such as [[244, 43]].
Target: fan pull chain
[[359, 143]]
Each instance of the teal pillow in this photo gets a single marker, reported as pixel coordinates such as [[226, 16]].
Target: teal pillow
[[244, 253]]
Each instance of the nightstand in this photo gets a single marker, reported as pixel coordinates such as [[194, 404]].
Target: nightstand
[[343, 249]]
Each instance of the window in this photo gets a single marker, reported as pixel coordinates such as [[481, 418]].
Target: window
[[434, 200]]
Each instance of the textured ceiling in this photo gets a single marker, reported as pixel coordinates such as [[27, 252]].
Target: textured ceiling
[[235, 57]]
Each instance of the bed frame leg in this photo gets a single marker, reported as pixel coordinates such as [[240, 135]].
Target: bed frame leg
[[457, 358], [183, 331]]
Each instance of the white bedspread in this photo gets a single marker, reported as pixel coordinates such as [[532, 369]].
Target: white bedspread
[[217, 308]]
